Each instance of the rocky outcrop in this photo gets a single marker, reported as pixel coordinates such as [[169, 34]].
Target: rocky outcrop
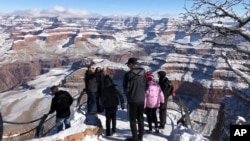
[[75, 133], [206, 95], [12, 75], [82, 135], [92, 127], [16, 74]]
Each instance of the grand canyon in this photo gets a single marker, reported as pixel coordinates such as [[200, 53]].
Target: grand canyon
[[32, 46]]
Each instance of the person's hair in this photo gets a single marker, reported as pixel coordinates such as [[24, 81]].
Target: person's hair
[[98, 69], [53, 88], [161, 74], [132, 60], [90, 66]]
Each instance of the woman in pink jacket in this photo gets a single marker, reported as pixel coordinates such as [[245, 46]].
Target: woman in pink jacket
[[153, 97]]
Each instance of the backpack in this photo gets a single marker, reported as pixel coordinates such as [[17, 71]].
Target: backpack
[[168, 88]]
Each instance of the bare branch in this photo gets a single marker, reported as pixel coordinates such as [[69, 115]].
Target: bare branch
[[219, 22], [240, 73]]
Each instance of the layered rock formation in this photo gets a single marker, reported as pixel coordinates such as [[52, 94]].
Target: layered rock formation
[[198, 71]]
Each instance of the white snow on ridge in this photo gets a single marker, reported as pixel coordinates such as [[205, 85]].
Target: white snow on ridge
[[54, 77], [171, 132], [41, 84], [5, 43]]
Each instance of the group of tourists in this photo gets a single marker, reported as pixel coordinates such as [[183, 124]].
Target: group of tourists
[[143, 94], [103, 95]]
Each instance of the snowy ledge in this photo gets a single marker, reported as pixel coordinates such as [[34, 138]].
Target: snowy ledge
[[91, 127]]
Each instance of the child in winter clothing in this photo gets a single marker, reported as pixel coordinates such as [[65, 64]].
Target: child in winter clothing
[[153, 98]]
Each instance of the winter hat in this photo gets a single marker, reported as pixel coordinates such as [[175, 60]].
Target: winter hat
[[161, 74], [149, 76]]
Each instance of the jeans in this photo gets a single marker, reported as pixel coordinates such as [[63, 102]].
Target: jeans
[[91, 103], [61, 121]]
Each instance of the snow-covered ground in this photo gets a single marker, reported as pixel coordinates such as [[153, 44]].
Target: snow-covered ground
[[172, 132], [53, 77]]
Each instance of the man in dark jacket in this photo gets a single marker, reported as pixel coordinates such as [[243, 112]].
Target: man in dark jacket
[[98, 71], [135, 86], [91, 87], [61, 104], [164, 84]]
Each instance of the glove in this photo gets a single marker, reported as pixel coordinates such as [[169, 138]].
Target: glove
[[123, 106], [46, 115]]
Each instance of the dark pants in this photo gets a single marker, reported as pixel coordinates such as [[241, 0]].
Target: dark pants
[[91, 103], [151, 117], [135, 114], [99, 107], [163, 116], [110, 114]]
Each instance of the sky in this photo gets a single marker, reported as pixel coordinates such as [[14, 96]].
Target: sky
[[104, 7], [149, 8]]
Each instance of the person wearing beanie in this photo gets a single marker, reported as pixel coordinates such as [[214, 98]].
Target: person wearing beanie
[[167, 89], [153, 99], [135, 86], [150, 77], [148, 74]]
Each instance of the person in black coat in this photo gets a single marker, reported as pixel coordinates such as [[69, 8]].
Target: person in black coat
[[110, 99], [61, 104], [98, 74], [91, 87], [135, 86], [164, 84]]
